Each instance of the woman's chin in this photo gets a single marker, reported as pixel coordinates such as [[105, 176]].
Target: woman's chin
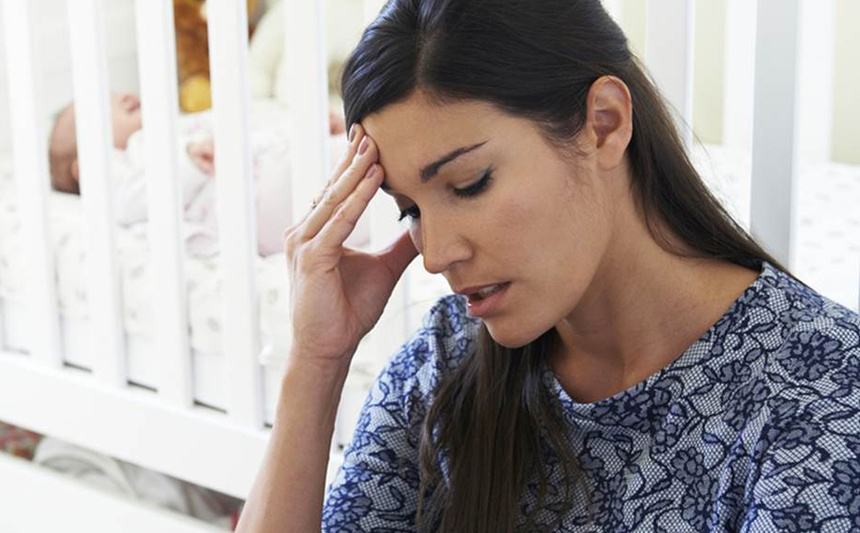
[[511, 337]]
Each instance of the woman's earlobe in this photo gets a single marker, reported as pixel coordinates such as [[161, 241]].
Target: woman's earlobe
[[75, 171]]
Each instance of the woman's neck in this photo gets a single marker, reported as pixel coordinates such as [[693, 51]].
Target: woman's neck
[[641, 312]]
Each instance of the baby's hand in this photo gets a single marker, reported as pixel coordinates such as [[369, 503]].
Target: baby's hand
[[203, 155]]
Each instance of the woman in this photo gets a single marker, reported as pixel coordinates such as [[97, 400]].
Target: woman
[[621, 355]]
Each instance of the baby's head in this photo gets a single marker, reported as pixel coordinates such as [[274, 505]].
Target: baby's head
[[63, 145]]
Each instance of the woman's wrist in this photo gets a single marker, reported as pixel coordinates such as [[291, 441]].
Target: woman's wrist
[[313, 384]]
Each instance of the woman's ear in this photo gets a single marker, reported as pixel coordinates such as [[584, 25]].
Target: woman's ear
[[609, 119], [75, 171]]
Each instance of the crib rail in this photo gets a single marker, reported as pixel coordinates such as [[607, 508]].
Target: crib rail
[[164, 429], [669, 55], [775, 148], [30, 147], [156, 58], [228, 45]]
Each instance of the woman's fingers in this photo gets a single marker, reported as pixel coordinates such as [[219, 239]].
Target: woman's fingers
[[398, 256], [342, 222], [338, 191]]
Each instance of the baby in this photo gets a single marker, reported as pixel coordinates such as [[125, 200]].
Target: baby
[[270, 157]]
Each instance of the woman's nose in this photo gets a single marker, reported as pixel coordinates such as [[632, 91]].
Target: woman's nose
[[442, 246]]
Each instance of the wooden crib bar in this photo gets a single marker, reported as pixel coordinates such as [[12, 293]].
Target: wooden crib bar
[[89, 79], [774, 156], [158, 85], [30, 148], [669, 56], [228, 49], [305, 52]]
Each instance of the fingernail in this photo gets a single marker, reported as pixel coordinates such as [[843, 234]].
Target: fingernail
[[372, 172], [352, 133], [363, 146]]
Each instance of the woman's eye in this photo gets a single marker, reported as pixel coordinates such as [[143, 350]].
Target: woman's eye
[[478, 187], [475, 189], [410, 212]]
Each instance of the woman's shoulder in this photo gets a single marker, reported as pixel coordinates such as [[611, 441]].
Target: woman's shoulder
[[814, 342]]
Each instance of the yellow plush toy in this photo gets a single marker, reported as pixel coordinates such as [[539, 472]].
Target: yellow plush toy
[[192, 52]]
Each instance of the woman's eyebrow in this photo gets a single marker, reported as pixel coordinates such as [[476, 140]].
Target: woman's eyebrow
[[430, 171]]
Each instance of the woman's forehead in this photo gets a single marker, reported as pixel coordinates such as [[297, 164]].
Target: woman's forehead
[[413, 135]]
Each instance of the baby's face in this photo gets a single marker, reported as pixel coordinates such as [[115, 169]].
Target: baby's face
[[125, 120], [125, 117]]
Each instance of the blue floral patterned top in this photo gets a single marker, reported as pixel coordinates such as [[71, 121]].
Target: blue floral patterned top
[[755, 427]]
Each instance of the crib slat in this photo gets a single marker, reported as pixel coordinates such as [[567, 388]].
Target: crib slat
[[815, 64], [32, 178], [305, 52], [228, 48], [89, 78], [739, 74], [774, 158], [669, 56], [157, 64]]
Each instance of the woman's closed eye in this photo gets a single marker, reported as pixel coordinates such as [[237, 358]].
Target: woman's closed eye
[[467, 192]]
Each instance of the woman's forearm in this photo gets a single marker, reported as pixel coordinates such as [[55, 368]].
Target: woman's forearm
[[287, 496]]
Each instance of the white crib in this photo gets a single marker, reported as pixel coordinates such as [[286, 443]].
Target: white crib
[[168, 422]]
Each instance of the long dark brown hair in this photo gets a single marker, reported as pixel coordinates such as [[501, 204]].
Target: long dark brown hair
[[492, 418]]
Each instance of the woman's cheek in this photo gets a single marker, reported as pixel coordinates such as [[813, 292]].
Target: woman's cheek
[[415, 235]]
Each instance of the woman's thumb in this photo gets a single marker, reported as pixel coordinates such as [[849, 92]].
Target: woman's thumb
[[398, 256]]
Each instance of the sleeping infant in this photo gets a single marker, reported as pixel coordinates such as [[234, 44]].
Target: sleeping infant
[[269, 148]]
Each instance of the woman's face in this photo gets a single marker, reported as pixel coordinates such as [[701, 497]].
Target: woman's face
[[508, 210]]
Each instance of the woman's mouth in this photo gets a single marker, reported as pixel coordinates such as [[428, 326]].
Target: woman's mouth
[[487, 299]]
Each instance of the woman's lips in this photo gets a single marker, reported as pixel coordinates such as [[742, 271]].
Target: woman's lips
[[483, 306]]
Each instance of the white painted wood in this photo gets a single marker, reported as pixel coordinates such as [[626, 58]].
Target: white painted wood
[[198, 445], [775, 114], [228, 47], [308, 96], [739, 73], [157, 60], [815, 78], [38, 499], [33, 181], [669, 57], [94, 135]]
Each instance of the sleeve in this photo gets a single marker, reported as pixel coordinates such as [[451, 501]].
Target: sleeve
[[809, 477], [130, 189], [376, 487]]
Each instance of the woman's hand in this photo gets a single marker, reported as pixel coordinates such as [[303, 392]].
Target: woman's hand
[[338, 294]]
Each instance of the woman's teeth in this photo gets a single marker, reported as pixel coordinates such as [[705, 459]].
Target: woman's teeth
[[483, 293]]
